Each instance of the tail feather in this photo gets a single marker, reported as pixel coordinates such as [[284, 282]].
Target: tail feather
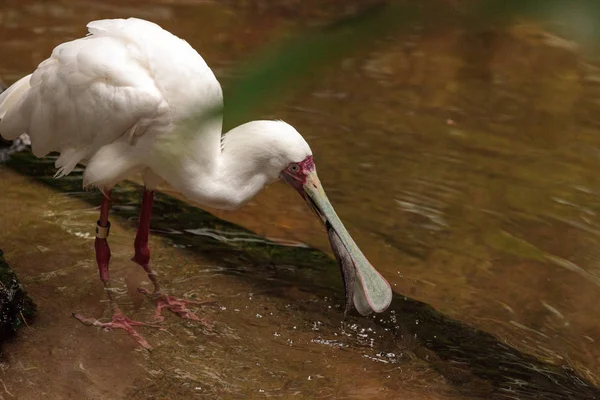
[[67, 161], [110, 165]]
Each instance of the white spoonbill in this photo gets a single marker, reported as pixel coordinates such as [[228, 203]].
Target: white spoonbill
[[120, 101]]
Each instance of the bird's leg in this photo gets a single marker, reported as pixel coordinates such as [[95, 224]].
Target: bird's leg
[[142, 257], [119, 320], [142, 252]]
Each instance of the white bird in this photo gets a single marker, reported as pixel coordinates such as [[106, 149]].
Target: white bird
[[123, 100]]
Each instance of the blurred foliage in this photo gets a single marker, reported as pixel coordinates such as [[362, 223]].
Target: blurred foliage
[[282, 67], [279, 68]]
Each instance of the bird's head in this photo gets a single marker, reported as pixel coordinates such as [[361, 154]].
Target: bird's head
[[364, 286], [278, 151]]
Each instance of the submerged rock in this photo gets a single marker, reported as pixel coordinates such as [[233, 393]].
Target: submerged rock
[[15, 306]]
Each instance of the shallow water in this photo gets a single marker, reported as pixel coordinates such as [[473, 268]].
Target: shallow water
[[260, 341], [464, 165]]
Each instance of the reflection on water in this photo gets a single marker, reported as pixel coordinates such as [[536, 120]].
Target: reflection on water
[[464, 164]]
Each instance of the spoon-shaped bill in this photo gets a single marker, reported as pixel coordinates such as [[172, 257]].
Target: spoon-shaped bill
[[364, 285]]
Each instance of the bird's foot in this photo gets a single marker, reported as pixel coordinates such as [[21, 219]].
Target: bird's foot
[[120, 321], [177, 306]]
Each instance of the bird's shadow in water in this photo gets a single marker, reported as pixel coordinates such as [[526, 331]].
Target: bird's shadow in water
[[477, 363]]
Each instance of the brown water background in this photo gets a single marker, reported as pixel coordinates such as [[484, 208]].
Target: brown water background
[[462, 162]]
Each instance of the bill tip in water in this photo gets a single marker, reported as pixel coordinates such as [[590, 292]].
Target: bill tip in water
[[365, 288]]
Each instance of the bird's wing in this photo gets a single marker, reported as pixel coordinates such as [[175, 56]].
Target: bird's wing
[[125, 78]]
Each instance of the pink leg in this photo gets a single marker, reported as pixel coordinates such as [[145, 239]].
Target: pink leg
[[142, 257], [178, 306], [119, 321]]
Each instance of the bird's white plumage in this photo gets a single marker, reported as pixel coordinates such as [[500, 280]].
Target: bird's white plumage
[[120, 99], [126, 79], [127, 98]]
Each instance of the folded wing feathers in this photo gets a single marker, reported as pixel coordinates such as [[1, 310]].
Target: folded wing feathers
[[127, 77], [90, 92]]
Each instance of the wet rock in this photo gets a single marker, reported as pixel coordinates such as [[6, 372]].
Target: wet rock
[[7, 148], [15, 306]]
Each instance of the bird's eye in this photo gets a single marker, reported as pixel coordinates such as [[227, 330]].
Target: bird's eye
[[294, 168]]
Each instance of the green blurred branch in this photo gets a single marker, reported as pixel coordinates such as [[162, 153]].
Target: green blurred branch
[[277, 69]]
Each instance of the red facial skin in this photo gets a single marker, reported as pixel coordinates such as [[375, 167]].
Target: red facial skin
[[296, 173]]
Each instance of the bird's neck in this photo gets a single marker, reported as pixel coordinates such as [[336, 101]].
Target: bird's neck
[[227, 178]]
